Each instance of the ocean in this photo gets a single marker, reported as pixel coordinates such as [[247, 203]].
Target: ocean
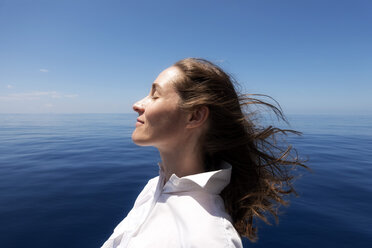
[[66, 180]]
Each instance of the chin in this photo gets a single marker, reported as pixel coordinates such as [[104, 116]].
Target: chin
[[140, 141]]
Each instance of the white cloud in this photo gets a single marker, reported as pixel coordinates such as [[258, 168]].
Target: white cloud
[[9, 86], [43, 70], [34, 95], [48, 105], [70, 96]]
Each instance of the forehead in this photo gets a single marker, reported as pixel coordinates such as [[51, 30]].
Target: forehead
[[167, 77]]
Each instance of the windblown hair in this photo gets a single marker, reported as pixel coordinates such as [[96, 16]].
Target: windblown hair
[[262, 168]]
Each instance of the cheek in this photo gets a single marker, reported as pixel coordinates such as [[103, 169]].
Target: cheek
[[166, 117]]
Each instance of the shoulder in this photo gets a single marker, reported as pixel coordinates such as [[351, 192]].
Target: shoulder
[[202, 221], [219, 234]]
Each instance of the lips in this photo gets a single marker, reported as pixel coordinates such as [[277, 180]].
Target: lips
[[139, 122]]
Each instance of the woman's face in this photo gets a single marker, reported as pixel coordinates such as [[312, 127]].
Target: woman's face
[[160, 122]]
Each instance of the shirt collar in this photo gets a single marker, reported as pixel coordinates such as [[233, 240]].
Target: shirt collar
[[212, 181]]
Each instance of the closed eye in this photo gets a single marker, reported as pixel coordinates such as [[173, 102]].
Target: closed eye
[[154, 92], [154, 95]]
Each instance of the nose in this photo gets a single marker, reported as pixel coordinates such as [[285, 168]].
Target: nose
[[139, 106]]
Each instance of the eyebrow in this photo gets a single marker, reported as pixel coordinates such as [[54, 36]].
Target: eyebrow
[[156, 87]]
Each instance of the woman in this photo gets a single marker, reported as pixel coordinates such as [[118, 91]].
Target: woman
[[219, 171]]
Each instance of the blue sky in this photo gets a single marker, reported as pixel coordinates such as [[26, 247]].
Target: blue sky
[[313, 56]]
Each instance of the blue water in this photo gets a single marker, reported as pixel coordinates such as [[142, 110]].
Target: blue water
[[67, 180]]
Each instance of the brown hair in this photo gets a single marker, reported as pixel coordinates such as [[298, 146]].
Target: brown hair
[[261, 167]]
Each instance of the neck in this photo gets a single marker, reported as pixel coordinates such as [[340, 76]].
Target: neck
[[182, 161]]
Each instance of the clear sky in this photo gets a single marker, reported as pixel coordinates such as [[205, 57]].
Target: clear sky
[[313, 56]]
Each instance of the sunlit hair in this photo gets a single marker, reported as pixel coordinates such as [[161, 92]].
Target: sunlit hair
[[262, 167]]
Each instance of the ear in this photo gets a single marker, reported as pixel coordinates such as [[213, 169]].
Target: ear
[[198, 117]]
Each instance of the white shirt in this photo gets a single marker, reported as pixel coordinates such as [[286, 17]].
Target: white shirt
[[184, 212]]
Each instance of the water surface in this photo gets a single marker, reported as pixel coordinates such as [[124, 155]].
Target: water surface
[[67, 180]]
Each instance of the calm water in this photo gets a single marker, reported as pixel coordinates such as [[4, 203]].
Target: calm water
[[67, 180]]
